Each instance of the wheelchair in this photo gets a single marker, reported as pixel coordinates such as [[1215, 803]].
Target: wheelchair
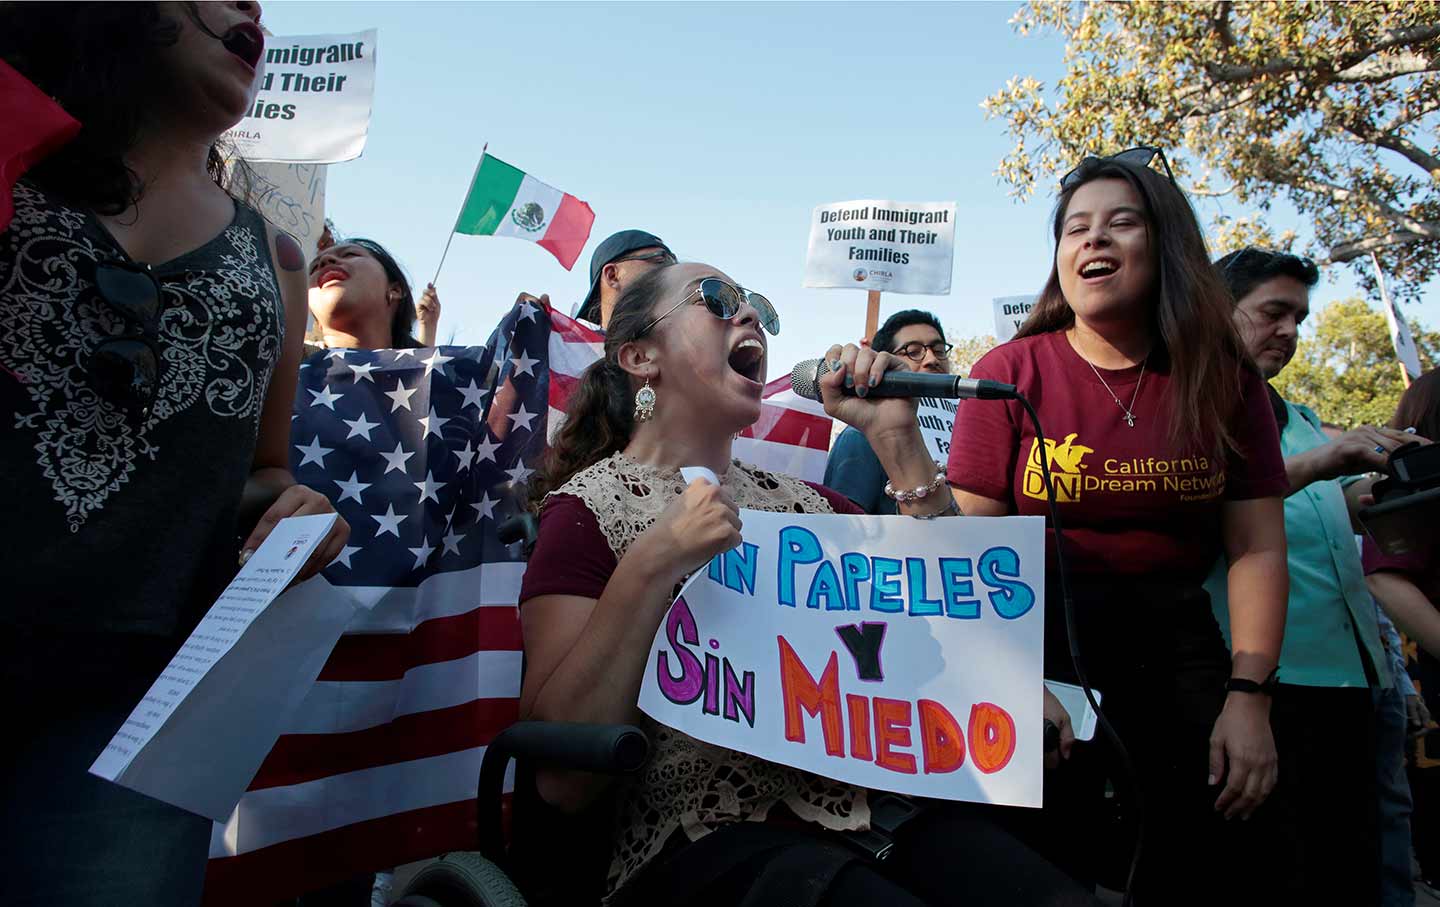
[[551, 859]]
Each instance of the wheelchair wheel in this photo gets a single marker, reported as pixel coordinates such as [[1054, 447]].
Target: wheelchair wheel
[[460, 880]]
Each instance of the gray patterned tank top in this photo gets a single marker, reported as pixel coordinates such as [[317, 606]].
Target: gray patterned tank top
[[115, 524]]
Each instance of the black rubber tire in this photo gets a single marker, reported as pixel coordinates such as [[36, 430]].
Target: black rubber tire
[[461, 879]]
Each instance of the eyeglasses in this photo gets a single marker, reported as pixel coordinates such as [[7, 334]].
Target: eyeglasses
[[915, 350], [125, 368], [1139, 156], [660, 257], [724, 301]]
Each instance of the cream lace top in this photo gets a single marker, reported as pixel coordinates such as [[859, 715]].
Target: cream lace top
[[690, 785]]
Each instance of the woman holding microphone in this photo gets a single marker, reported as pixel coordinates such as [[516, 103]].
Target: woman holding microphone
[[1164, 454]]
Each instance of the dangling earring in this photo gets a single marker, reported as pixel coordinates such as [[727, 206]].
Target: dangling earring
[[645, 403]]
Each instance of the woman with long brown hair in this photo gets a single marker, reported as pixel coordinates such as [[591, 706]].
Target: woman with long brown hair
[[683, 371], [1164, 454]]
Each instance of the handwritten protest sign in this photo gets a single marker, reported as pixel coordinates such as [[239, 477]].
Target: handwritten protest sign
[[314, 100], [199, 734], [292, 197], [895, 247], [892, 653], [1010, 313]]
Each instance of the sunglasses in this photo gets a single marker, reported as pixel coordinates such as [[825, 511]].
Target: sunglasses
[[1139, 156], [125, 368], [661, 257], [724, 301], [915, 350]]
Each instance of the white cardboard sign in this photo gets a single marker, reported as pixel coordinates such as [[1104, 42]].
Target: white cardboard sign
[[887, 652], [1010, 313], [895, 247], [314, 100]]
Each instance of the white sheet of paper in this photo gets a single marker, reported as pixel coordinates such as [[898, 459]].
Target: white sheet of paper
[[691, 473], [1082, 717], [198, 736]]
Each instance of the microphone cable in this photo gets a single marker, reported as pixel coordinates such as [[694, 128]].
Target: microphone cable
[[1127, 765]]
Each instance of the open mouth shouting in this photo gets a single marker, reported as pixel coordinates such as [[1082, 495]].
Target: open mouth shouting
[[747, 359], [1099, 268], [246, 42], [330, 275]]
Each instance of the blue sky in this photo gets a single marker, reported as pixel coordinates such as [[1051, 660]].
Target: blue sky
[[718, 127]]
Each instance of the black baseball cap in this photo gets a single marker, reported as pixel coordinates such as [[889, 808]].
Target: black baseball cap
[[614, 246]]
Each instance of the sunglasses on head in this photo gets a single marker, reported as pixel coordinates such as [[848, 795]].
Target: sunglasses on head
[[1139, 156], [124, 368], [724, 301]]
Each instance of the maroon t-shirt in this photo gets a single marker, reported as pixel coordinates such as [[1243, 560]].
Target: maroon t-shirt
[[573, 557], [1419, 566], [1131, 500]]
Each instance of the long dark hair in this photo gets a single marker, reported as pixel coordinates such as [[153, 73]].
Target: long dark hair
[[1190, 307], [403, 321], [601, 414], [1420, 406], [98, 61]]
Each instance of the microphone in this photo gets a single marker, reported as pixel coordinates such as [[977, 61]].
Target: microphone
[[805, 381]]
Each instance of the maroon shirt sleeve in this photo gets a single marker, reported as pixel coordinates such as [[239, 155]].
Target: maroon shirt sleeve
[[1257, 470], [838, 502], [985, 440], [1416, 564], [571, 555]]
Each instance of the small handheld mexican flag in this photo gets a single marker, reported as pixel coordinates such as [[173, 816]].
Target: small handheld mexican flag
[[505, 201]]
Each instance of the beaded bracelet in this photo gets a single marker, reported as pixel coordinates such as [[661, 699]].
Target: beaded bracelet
[[909, 497]]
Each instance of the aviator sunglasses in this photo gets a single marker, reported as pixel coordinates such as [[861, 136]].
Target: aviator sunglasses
[[1139, 156], [124, 368], [724, 300]]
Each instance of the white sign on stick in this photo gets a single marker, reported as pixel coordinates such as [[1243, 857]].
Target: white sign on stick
[[895, 247], [1010, 313], [937, 423], [200, 733], [292, 197], [886, 652], [314, 102]]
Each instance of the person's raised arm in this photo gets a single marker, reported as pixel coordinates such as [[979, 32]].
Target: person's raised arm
[[427, 316], [270, 479], [1242, 748], [585, 658]]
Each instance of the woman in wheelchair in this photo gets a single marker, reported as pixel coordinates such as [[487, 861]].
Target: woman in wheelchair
[[683, 372]]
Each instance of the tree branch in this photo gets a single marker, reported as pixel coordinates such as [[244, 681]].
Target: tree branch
[[1353, 249], [1386, 68], [1396, 143]]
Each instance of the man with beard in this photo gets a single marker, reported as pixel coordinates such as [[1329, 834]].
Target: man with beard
[[853, 469]]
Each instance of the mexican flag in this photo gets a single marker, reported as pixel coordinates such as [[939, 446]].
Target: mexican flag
[[505, 201]]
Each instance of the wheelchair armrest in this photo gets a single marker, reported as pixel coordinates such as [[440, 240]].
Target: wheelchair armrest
[[609, 749]]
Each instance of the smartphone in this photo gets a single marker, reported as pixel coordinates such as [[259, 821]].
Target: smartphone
[[1082, 717]]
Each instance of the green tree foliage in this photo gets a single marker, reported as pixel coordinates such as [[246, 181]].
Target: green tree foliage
[[1334, 107], [1345, 368]]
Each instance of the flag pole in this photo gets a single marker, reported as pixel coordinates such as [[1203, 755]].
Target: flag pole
[[1385, 300], [463, 200]]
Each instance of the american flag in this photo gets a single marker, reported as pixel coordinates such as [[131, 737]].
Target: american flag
[[424, 452]]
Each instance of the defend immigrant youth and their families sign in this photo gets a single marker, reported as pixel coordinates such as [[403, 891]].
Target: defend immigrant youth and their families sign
[[314, 101], [1010, 313], [894, 247], [872, 650]]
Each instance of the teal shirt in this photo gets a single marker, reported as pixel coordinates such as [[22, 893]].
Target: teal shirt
[[1330, 605]]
